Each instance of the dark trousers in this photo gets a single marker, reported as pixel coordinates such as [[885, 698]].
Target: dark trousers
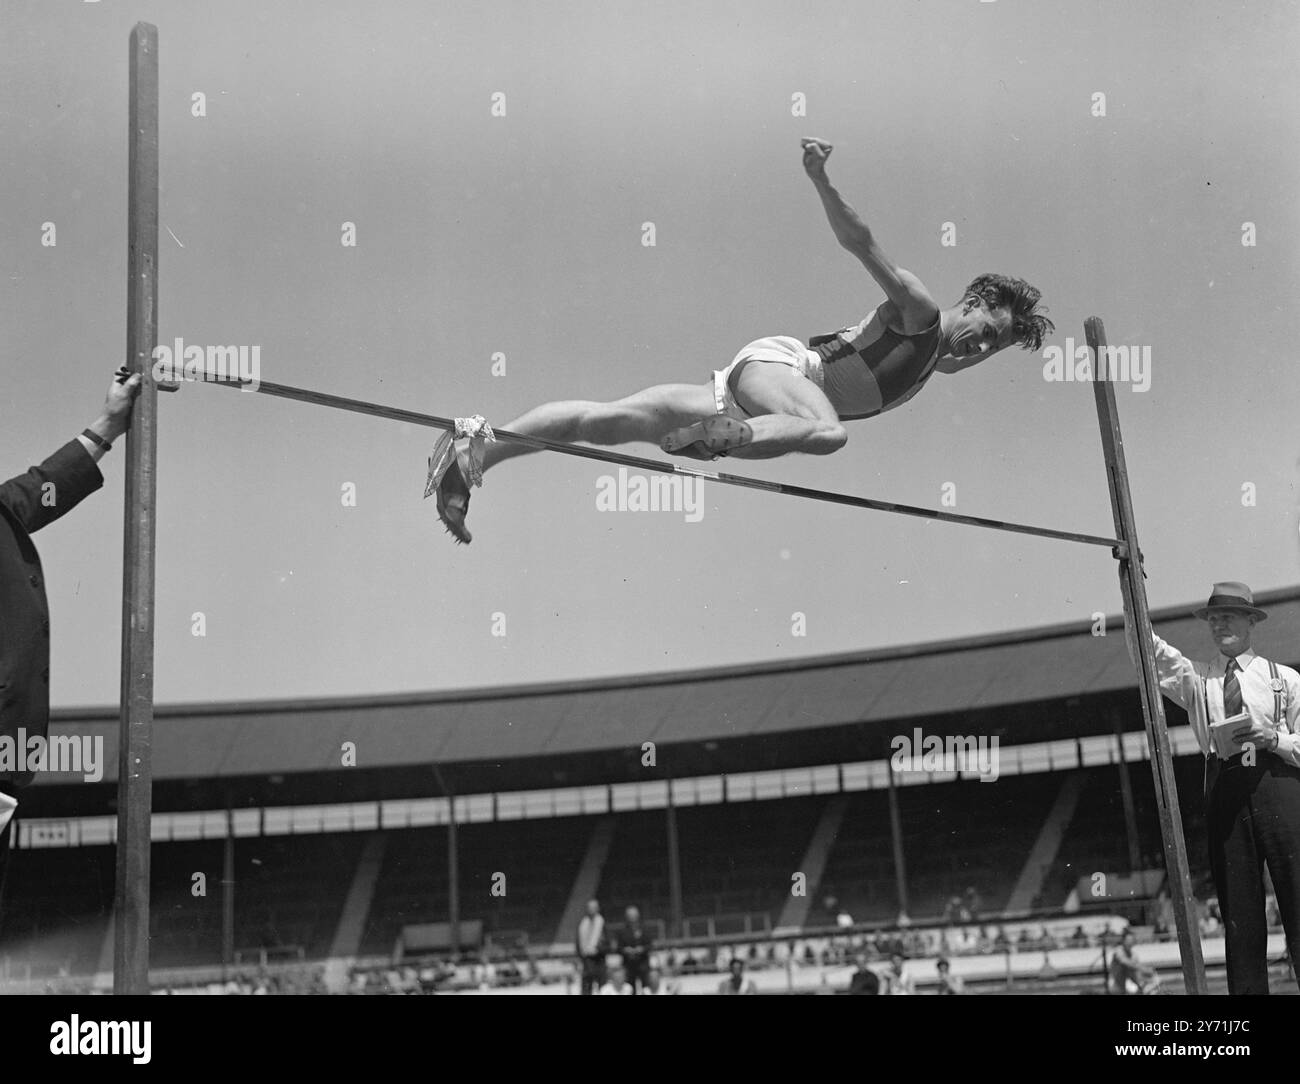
[[593, 974], [1253, 818], [637, 970]]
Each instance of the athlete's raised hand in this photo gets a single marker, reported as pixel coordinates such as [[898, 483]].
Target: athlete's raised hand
[[815, 153]]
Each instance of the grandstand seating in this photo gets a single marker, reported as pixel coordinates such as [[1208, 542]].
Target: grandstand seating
[[289, 893], [538, 857], [736, 860], [955, 836], [60, 898], [1096, 838]]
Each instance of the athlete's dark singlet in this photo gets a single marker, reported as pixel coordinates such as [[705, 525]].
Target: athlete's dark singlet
[[871, 368]]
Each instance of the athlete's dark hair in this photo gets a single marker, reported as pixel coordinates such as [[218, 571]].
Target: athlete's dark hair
[[1021, 300]]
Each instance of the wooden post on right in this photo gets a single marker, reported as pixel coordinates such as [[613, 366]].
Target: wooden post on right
[[1138, 618]]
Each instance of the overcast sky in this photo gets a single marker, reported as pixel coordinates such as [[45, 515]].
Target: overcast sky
[[522, 235]]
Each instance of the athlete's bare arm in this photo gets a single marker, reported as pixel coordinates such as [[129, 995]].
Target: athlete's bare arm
[[916, 308]]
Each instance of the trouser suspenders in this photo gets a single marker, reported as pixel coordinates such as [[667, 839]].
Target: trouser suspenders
[[1279, 719], [1279, 695]]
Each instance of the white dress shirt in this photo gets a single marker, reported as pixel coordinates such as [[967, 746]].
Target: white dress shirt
[[1189, 683], [591, 928]]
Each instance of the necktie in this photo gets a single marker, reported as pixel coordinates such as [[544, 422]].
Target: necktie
[[1231, 691]]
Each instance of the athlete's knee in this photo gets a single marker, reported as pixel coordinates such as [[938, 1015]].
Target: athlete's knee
[[829, 437]]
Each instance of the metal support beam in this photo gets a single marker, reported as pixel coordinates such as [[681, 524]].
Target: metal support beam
[[675, 914], [896, 840], [453, 878], [228, 895], [1138, 617], [135, 776]]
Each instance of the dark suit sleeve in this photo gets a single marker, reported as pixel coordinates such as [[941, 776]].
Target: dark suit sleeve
[[72, 477]]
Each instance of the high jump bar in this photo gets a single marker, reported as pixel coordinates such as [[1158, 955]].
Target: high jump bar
[[433, 421]]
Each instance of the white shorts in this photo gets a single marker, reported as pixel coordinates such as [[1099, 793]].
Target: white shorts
[[780, 348]]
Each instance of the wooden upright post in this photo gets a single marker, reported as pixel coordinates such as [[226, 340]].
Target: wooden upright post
[[135, 775], [1138, 617]]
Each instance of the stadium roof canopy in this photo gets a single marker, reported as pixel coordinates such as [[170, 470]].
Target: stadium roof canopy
[[794, 708]]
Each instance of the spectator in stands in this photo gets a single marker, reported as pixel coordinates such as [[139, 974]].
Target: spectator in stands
[[1078, 939], [657, 984], [29, 502], [864, 980], [1127, 974], [1001, 942], [972, 904], [948, 982], [735, 982], [591, 943], [964, 940], [898, 980], [634, 945], [617, 983]]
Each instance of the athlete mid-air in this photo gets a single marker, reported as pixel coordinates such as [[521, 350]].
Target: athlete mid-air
[[780, 395]]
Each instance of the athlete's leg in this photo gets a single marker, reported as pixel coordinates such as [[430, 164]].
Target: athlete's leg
[[788, 413], [645, 416]]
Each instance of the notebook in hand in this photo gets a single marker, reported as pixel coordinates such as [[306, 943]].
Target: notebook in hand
[[1221, 735]]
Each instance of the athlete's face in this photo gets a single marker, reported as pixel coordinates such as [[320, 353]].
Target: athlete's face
[[979, 332], [1231, 630]]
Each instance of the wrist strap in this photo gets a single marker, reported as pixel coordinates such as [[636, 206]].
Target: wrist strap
[[95, 438]]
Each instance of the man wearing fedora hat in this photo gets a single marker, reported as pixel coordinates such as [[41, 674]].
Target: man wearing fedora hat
[[1253, 796]]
